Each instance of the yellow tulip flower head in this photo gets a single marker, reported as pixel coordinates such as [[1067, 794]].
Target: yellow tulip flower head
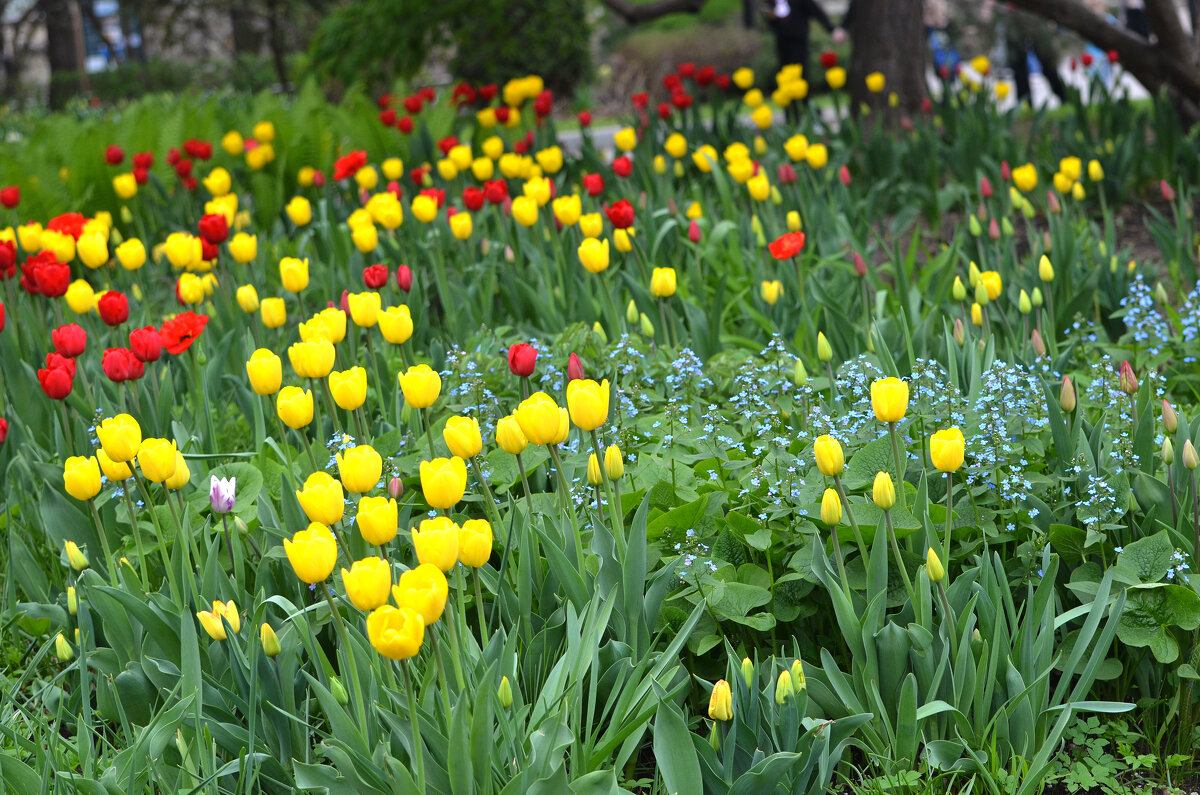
[[349, 387], [828, 453], [946, 449], [360, 468], [421, 386], [377, 519], [265, 370], [462, 436], [395, 632], [436, 542], [423, 589], [889, 399], [475, 542], [588, 403], [443, 481], [322, 498], [120, 437], [368, 583], [156, 459], [538, 416], [395, 323], [312, 553], [81, 477]]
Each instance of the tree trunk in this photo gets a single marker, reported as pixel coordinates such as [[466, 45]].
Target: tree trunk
[[888, 37], [64, 49], [275, 41], [1172, 62]]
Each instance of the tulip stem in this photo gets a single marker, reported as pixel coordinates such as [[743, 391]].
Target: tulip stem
[[887, 516], [662, 318], [418, 751], [428, 432], [949, 514], [228, 542], [487, 491], [858, 537], [565, 497], [137, 536], [162, 543], [483, 630], [949, 616], [455, 645], [525, 483], [901, 469], [108, 556], [344, 637], [618, 528], [841, 561], [441, 665]]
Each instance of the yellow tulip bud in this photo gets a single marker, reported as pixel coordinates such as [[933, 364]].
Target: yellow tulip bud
[[828, 453]]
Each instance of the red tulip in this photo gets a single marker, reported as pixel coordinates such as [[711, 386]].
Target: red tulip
[[173, 155], [544, 103], [495, 190], [8, 259], [1168, 193], [413, 103], [502, 114], [214, 228], [487, 92], [208, 251], [348, 165], [706, 75], [119, 364], [446, 144], [68, 223], [1113, 56], [387, 117], [56, 361], [2, 316], [56, 382], [404, 278], [593, 184], [686, 69], [585, 118], [787, 246], [473, 198], [522, 358], [786, 174], [672, 82], [114, 155], [3, 430], [860, 265], [679, 99], [844, 175], [181, 331], [53, 278], [143, 160], [664, 109], [620, 214], [190, 183], [694, 231], [926, 105], [184, 168], [141, 176], [985, 188], [10, 197], [113, 308], [1005, 171], [1087, 59], [146, 343], [375, 276], [1128, 380], [622, 166], [828, 59], [640, 100], [405, 125]]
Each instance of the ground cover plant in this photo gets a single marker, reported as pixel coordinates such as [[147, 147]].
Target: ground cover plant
[[408, 445]]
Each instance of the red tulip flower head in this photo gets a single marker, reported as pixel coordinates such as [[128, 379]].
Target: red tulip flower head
[[593, 184], [181, 331], [113, 308], [119, 364], [10, 197], [56, 382], [214, 228], [3, 430], [146, 343], [522, 358], [375, 276], [787, 246], [114, 155], [575, 368], [404, 278], [620, 214]]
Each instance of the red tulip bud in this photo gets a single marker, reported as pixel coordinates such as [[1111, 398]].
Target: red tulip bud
[[345, 302], [860, 265], [1005, 171], [1066, 395], [522, 358], [575, 368], [1168, 193], [1129, 381], [395, 488], [1169, 417], [844, 175], [3, 430], [694, 231], [404, 278], [1053, 206], [1039, 345], [985, 188]]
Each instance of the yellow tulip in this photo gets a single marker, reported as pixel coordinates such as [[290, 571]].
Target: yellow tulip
[[421, 386], [720, 703], [588, 403], [676, 146], [835, 77], [475, 542], [334, 320], [349, 387], [265, 370], [743, 78], [830, 459], [593, 254], [704, 158], [875, 82], [567, 209], [81, 477], [662, 283], [365, 237], [395, 323], [247, 298], [295, 406], [509, 435], [423, 589], [591, 225], [992, 283], [771, 291], [368, 583], [621, 240], [946, 449], [156, 459], [816, 155], [125, 186], [550, 159], [424, 208], [181, 476], [312, 553], [364, 308], [436, 542], [360, 468], [538, 416], [461, 225], [1025, 177], [377, 519], [482, 168], [120, 437], [883, 491], [889, 399], [131, 254], [113, 470], [80, 297], [525, 210], [462, 437], [299, 209], [269, 640], [614, 463], [211, 620], [625, 139], [443, 481], [395, 632], [293, 273], [312, 359], [273, 312], [831, 507], [934, 567]]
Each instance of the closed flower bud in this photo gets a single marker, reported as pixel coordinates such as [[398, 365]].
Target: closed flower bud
[[1169, 418], [62, 649], [959, 290], [436, 542], [598, 330], [75, 556], [504, 693], [1045, 269], [594, 475], [368, 583], [1168, 452], [645, 327], [720, 703], [1024, 305], [631, 313], [588, 403], [783, 687], [1039, 345], [72, 601], [828, 453], [933, 566], [1066, 395], [883, 494], [1128, 380], [614, 464], [799, 373], [1190, 457], [798, 680], [295, 406], [981, 294], [831, 508], [960, 332], [270, 641], [824, 349], [748, 672]]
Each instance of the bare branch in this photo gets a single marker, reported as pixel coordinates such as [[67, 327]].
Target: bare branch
[[633, 13]]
